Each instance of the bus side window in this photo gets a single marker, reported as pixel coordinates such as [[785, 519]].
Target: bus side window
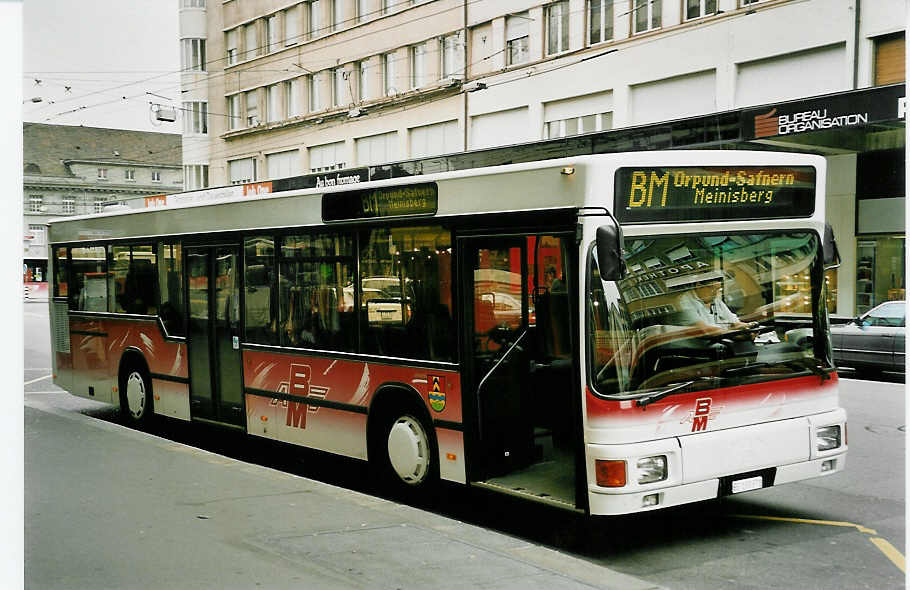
[[316, 274], [61, 269], [89, 292], [170, 279], [260, 298]]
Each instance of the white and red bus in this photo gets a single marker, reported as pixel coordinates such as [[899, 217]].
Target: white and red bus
[[609, 334]]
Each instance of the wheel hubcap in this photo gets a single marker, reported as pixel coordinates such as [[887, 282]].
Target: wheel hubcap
[[135, 395], [409, 450]]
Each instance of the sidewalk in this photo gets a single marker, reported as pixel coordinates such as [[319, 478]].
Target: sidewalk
[[109, 507]]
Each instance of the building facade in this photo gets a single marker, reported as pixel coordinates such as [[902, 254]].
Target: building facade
[[279, 88], [70, 170]]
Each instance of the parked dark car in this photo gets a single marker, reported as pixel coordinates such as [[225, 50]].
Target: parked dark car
[[873, 341]]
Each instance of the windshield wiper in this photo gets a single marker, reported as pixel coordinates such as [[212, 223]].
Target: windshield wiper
[[670, 390], [799, 364]]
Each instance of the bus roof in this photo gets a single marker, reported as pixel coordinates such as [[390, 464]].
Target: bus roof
[[566, 183]]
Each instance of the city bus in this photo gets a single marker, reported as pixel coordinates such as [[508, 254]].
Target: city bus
[[608, 334]]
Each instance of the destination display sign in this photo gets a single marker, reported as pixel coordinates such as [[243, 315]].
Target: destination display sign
[[697, 193], [392, 201]]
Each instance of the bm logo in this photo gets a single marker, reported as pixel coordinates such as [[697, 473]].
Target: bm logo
[[298, 384], [646, 186], [700, 415]]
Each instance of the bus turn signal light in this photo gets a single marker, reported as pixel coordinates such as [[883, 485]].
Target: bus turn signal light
[[610, 474]]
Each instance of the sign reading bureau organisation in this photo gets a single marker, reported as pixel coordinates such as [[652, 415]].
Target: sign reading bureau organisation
[[695, 193]]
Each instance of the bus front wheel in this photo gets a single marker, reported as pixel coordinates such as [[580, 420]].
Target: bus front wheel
[[136, 395], [407, 454]]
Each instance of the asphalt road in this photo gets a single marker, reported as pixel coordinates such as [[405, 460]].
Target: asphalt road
[[843, 531]]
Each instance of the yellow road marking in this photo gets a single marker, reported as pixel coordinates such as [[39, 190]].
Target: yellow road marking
[[38, 379], [858, 527], [890, 552]]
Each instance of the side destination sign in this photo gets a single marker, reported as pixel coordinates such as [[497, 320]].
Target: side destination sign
[[695, 193], [391, 201]]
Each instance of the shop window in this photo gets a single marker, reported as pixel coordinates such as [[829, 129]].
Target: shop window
[[406, 292], [316, 292], [879, 271], [170, 279], [89, 292]]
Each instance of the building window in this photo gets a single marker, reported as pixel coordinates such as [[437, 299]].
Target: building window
[[192, 3], [129, 175], [273, 105], [326, 157], [156, 175], [453, 56], [316, 23], [600, 21], [271, 33], [102, 173], [35, 203], [234, 111], [315, 97], [363, 11], [337, 15], [377, 149], [518, 45], [252, 108], [230, 43], [292, 26], [389, 74], [99, 205], [68, 206], [363, 70], [196, 117], [242, 171], [436, 139], [890, 66], [647, 15], [699, 8], [557, 27], [195, 176], [283, 164], [250, 41], [193, 55], [339, 80], [578, 125], [292, 95], [418, 65]]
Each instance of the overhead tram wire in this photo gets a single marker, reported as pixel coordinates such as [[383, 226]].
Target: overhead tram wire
[[301, 35], [522, 76]]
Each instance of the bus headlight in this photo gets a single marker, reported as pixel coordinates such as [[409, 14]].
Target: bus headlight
[[651, 469], [827, 438]]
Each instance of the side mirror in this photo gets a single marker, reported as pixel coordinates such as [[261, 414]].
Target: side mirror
[[609, 252], [829, 248]]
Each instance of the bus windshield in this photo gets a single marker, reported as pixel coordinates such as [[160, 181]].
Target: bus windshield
[[707, 311]]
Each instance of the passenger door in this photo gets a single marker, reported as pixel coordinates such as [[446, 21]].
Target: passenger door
[[496, 317], [213, 338]]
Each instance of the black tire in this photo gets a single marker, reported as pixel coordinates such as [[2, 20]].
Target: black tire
[[403, 452], [136, 401]]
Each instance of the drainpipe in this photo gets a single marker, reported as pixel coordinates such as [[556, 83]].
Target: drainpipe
[[464, 36], [856, 21]]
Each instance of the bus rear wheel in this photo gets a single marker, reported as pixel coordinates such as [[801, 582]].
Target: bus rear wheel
[[406, 452], [136, 395]]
